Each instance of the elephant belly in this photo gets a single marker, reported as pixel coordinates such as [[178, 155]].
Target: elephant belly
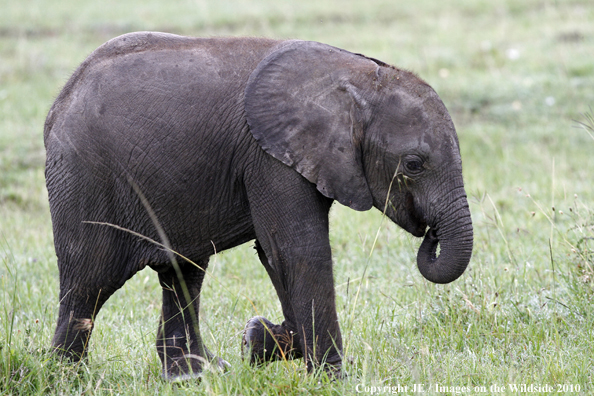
[[199, 216]]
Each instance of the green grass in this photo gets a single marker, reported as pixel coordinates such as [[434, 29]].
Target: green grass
[[517, 76]]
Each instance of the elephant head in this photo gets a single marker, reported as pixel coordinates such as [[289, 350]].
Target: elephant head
[[367, 134]]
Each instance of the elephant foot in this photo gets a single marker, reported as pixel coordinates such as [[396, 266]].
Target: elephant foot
[[191, 366], [183, 360], [264, 341]]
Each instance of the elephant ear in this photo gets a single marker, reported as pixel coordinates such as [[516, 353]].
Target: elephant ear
[[304, 109]]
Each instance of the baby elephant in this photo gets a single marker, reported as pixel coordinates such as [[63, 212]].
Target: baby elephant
[[202, 144]]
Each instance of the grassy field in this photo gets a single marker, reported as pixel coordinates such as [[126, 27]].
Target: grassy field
[[517, 76]]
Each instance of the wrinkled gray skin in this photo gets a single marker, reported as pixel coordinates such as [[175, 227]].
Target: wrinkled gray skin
[[230, 140]]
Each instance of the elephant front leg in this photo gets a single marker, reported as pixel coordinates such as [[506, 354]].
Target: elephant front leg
[[290, 218], [314, 310], [264, 341], [179, 343], [304, 283]]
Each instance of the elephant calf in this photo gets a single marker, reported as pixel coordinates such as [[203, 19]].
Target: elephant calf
[[207, 143]]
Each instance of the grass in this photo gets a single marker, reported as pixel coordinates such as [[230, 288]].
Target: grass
[[518, 79]]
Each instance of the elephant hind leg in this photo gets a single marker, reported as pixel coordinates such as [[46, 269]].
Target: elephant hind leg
[[94, 262], [82, 295], [179, 343], [75, 325]]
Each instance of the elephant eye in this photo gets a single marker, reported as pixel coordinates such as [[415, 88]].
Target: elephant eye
[[414, 166]]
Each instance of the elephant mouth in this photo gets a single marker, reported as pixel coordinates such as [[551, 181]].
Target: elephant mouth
[[415, 223], [418, 230]]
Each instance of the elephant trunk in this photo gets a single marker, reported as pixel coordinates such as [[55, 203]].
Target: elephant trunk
[[455, 238]]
